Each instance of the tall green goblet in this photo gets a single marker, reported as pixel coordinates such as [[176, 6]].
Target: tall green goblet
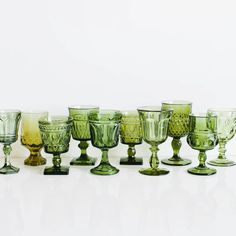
[[178, 128], [226, 128], [131, 134], [81, 132], [154, 122], [105, 129], [202, 137]]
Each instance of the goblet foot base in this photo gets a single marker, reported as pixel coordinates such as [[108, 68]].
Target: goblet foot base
[[154, 172], [131, 161], [35, 161], [9, 170], [221, 162], [104, 169], [202, 171], [176, 161], [83, 161], [62, 170]]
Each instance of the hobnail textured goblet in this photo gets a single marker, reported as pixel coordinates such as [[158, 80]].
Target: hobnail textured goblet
[[104, 129], [131, 134], [154, 123], [178, 128], [9, 126], [226, 128], [55, 133], [81, 132], [202, 137], [30, 136]]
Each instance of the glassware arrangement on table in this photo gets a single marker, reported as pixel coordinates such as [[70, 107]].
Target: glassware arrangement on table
[[154, 123], [9, 126], [178, 128], [202, 137], [226, 128], [55, 133], [131, 134], [81, 132], [30, 136], [104, 129]]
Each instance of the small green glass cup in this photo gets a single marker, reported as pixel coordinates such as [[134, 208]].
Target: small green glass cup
[[131, 135], [154, 123], [178, 128], [202, 137], [80, 131], [104, 129], [55, 133]]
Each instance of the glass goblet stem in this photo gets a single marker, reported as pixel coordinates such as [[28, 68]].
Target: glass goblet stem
[[131, 151], [83, 145], [176, 145], [56, 160], [202, 159], [154, 161], [222, 149], [7, 150], [105, 159]]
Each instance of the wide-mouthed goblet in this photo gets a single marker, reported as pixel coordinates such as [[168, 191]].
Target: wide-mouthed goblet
[[154, 123], [226, 128], [202, 137], [178, 128], [105, 129], [9, 126], [80, 131], [55, 133], [131, 134], [30, 136]]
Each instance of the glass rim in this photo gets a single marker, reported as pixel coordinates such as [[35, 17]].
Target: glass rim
[[60, 119], [221, 109], [153, 109], [83, 107], [2, 111], [201, 115], [176, 102]]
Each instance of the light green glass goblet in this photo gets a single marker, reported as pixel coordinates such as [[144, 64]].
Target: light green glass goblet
[[104, 129], [131, 134], [178, 128], [226, 128], [202, 137], [81, 132], [154, 124]]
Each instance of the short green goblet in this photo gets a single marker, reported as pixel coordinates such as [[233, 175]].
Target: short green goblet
[[104, 129], [81, 132], [202, 137], [226, 128], [154, 123], [178, 128], [131, 134], [55, 133], [9, 126]]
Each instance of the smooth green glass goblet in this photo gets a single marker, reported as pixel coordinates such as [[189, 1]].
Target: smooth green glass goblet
[[178, 128], [154, 123], [131, 134], [226, 128], [105, 129], [9, 126], [202, 137], [81, 132], [55, 133]]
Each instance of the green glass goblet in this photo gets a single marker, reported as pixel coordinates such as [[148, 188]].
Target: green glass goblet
[[226, 128], [131, 134], [81, 132], [154, 123], [55, 133], [178, 128], [202, 137], [105, 129], [9, 126]]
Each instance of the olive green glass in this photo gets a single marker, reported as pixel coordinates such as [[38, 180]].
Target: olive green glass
[[178, 128], [55, 133], [30, 137], [226, 127], [105, 129], [154, 123], [202, 137], [9, 126], [131, 135], [81, 132]]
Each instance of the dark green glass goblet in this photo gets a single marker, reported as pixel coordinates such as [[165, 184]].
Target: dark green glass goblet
[[202, 137], [9, 126], [55, 132], [104, 129], [178, 128], [80, 131], [154, 123]]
